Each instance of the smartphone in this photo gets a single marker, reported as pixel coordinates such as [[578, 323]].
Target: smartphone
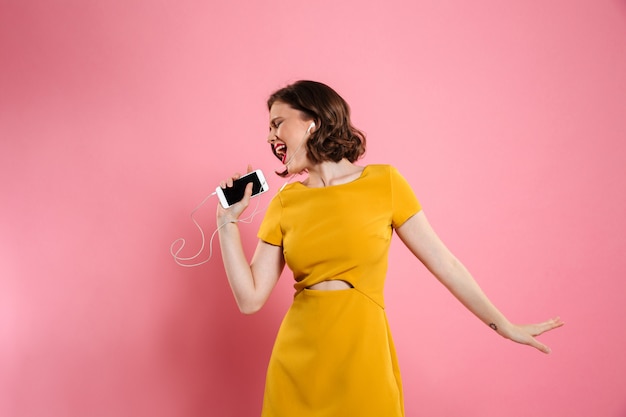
[[231, 195]]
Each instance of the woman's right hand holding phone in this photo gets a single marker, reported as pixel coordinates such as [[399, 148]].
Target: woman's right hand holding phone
[[232, 213]]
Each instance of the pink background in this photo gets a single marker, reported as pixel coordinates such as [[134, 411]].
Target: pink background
[[118, 117]]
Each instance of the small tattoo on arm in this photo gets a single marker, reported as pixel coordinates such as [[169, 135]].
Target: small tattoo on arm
[[493, 326]]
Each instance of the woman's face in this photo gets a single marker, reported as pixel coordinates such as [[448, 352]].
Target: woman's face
[[287, 136]]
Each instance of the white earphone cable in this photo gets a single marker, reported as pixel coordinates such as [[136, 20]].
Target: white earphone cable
[[175, 253], [179, 260]]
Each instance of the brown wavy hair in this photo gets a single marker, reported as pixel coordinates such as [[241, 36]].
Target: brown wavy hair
[[334, 137]]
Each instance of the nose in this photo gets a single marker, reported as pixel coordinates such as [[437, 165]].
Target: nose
[[271, 138]]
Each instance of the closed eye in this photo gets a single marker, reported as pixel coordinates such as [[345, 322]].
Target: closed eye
[[275, 123]]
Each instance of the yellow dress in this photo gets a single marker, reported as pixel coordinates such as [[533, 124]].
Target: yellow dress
[[334, 355]]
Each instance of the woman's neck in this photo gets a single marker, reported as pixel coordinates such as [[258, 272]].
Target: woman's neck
[[332, 173]]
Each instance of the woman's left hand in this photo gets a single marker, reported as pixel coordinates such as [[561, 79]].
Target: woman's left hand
[[526, 333]]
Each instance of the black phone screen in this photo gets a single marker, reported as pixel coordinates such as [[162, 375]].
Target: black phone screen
[[235, 193]]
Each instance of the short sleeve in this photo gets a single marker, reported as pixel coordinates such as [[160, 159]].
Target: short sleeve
[[403, 199], [270, 230]]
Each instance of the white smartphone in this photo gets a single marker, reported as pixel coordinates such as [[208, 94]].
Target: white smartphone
[[231, 195]]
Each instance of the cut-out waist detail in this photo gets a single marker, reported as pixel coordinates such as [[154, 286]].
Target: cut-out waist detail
[[331, 285]]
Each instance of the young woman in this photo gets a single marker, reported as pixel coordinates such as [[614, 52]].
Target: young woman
[[334, 355]]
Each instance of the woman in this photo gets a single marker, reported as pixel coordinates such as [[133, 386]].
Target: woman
[[334, 355]]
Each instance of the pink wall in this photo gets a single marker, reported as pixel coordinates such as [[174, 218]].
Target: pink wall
[[117, 118]]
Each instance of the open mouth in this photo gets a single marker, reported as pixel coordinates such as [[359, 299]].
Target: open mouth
[[280, 151]]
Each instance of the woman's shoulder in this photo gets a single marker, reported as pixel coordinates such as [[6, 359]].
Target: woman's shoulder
[[381, 169], [385, 174]]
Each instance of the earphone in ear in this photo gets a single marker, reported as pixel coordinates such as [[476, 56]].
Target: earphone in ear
[[299, 148]]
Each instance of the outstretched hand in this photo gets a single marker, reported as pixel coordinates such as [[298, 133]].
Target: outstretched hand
[[232, 213], [526, 333]]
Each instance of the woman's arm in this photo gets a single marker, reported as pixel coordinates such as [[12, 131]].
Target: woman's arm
[[421, 239], [251, 283]]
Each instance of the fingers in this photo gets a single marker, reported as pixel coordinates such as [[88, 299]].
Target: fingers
[[539, 346], [526, 333], [240, 206], [548, 325], [247, 195], [229, 181]]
